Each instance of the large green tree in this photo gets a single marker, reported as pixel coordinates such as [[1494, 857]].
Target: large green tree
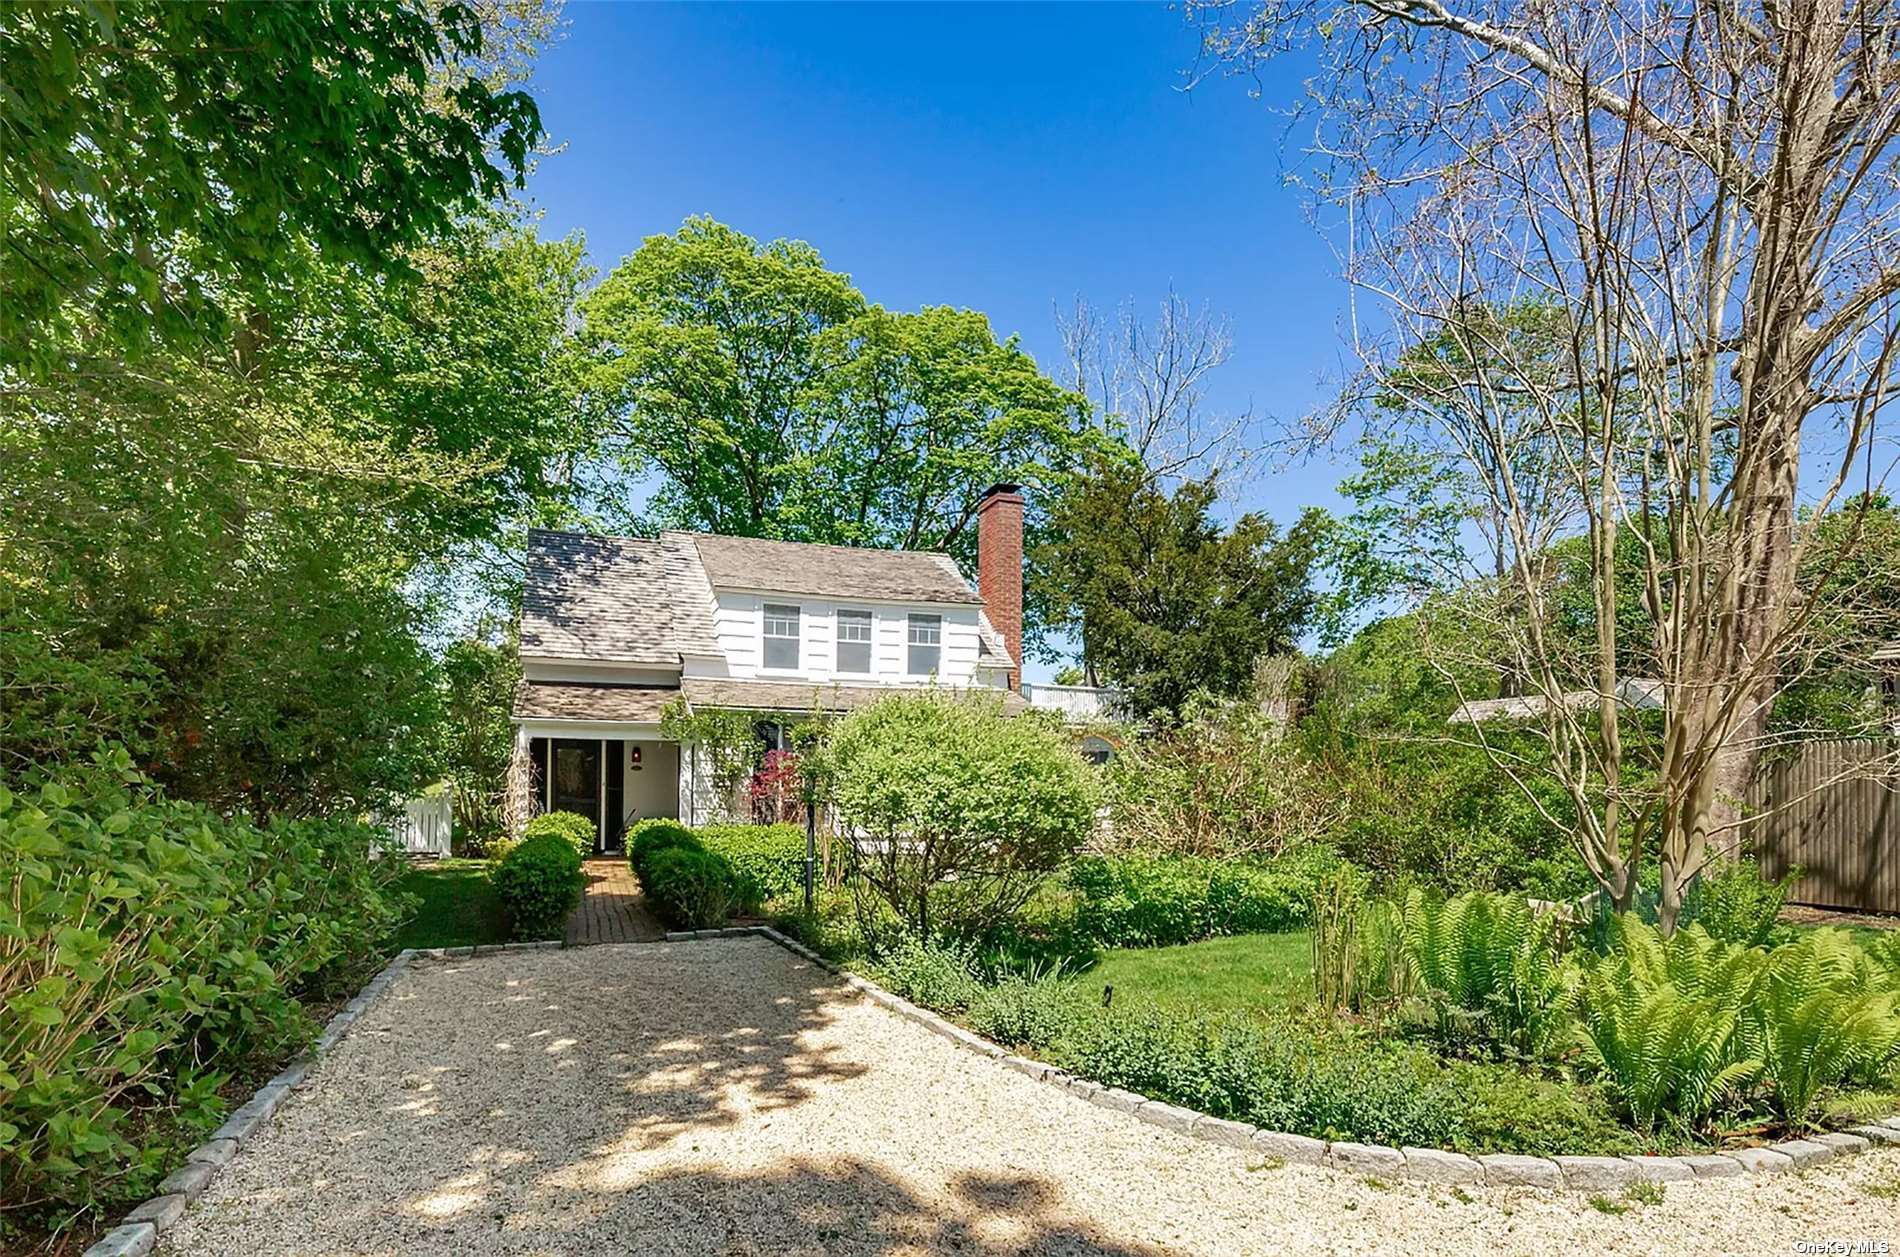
[[156, 159], [769, 398], [221, 559], [1165, 602]]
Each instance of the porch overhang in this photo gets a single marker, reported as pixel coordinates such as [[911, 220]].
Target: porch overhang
[[591, 703]]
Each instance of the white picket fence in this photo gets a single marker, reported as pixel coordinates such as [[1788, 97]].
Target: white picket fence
[[427, 824]]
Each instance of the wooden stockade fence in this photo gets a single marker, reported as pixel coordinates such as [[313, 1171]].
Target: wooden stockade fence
[[1840, 825]]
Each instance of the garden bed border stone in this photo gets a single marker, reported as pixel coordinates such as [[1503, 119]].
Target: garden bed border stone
[[1426, 1165], [137, 1233]]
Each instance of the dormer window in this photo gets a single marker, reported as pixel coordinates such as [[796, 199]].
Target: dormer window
[[854, 641], [781, 637], [926, 644]]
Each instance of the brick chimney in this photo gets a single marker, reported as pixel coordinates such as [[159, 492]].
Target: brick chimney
[[999, 568]]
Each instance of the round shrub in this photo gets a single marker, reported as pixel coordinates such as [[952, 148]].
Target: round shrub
[[538, 883], [571, 827], [957, 812], [691, 887], [648, 836]]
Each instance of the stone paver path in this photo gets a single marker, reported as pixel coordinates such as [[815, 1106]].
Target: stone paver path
[[725, 1098], [611, 908]]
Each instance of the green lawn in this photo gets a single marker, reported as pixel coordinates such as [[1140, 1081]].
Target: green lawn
[[455, 905], [1239, 974]]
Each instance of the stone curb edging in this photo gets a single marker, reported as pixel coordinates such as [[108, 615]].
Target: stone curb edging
[[1425, 1165], [137, 1234]]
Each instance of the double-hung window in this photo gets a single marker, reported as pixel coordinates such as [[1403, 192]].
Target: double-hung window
[[854, 641], [781, 637], [926, 644]]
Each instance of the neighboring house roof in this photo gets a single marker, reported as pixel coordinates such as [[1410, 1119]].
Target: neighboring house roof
[[792, 696], [569, 700], [1635, 693], [616, 599], [797, 567]]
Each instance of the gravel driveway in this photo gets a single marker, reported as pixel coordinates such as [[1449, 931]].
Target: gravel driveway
[[723, 1097]]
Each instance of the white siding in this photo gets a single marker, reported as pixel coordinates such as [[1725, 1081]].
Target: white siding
[[739, 623]]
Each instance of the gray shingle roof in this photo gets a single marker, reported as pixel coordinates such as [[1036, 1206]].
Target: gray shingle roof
[[564, 700], [795, 567], [620, 599]]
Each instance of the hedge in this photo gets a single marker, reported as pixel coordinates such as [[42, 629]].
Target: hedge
[[769, 860], [648, 836], [538, 884], [152, 949], [1143, 901]]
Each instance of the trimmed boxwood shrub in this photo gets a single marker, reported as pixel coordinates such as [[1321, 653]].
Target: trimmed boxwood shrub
[[538, 884], [648, 836], [1141, 901], [570, 827], [691, 888], [768, 859]]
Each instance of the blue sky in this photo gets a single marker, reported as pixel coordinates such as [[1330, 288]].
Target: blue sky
[[1001, 157], [1005, 158]]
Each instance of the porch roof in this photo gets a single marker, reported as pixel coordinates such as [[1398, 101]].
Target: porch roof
[[791, 696], [571, 700]]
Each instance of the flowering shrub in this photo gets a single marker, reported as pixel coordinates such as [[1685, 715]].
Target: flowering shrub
[[777, 789]]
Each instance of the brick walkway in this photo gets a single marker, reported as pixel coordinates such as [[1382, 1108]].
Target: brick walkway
[[611, 909]]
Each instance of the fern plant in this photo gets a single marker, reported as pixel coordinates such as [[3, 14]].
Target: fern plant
[[1491, 955], [1661, 1020], [1820, 1016]]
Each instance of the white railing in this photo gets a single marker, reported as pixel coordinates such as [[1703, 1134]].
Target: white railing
[[427, 824], [1079, 704]]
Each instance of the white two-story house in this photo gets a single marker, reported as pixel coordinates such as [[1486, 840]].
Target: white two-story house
[[615, 628]]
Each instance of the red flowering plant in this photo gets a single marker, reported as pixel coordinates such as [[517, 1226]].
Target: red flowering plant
[[777, 789]]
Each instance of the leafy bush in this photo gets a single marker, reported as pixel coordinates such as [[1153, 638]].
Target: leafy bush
[[956, 812], [1679, 1025], [691, 888], [538, 884], [1140, 901], [768, 859], [1733, 902], [1222, 783], [571, 827], [148, 949], [646, 837], [1490, 955]]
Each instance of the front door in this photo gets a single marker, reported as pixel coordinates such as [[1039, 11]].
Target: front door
[[576, 779]]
